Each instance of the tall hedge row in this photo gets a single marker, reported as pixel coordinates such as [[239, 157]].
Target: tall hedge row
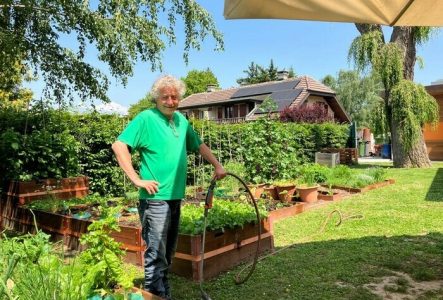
[[268, 148], [45, 143]]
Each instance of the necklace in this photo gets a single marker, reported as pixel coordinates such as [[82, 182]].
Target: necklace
[[172, 126]]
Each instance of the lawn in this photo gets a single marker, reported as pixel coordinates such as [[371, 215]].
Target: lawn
[[390, 244]]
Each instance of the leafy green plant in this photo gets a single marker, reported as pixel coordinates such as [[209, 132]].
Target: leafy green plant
[[32, 269], [311, 174], [286, 182], [103, 255], [224, 214]]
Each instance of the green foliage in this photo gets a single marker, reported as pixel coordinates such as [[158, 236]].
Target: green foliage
[[364, 50], [311, 174], [123, 32], [359, 95], [142, 104], [197, 81], [344, 176], [389, 65], [223, 215], [36, 144], [394, 62], [257, 74], [96, 133], [31, 269], [269, 154], [422, 34], [268, 149], [268, 106], [12, 94], [103, 255], [229, 182], [412, 108]]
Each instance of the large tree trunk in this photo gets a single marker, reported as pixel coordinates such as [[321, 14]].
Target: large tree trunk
[[418, 155]]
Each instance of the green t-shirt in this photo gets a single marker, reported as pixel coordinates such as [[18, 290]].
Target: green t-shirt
[[163, 147]]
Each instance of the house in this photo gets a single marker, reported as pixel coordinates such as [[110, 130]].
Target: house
[[241, 103], [434, 138]]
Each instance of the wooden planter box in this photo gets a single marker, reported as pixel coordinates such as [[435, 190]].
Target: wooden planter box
[[223, 250], [322, 195], [289, 211], [69, 230], [348, 156], [364, 189], [65, 188], [22, 192]]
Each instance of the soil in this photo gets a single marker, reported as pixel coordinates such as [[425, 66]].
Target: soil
[[401, 286], [129, 220], [326, 191]]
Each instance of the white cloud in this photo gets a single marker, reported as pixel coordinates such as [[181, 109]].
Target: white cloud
[[112, 108]]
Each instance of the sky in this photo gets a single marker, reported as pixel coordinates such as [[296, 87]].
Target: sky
[[311, 48]]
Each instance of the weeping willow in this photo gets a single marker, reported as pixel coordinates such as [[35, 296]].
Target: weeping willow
[[412, 107], [407, 103], [365, 49]]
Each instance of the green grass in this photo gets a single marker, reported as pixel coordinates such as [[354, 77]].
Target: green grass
[[401, 230]]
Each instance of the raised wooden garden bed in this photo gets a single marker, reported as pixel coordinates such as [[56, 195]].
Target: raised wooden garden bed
[[289, 211], [65, 188], [348, 156], [223, 250], [364, 189], [326, 196], [22, 192]]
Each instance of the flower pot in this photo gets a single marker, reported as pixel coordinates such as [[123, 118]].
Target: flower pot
[[257, 190], [308, 194], [285, 193], [271, 192]]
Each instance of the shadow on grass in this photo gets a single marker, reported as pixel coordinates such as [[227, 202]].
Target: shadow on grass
[[335, 269], [435, 191]]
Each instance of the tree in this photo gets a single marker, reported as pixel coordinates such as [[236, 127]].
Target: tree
[[197, 81], [123, 32], [358, 94], [141, 105], [407, 106], [11, 92], [256, 73]]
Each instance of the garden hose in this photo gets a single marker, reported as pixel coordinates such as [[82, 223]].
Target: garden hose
[[208, 205]]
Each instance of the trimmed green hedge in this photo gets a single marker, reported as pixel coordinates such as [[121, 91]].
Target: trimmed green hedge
[[48, 143]]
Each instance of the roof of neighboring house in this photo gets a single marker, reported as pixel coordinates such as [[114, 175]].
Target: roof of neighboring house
[[290, 92], [435, 89]]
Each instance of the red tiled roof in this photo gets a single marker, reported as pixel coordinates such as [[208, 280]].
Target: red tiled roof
[[308, 85]]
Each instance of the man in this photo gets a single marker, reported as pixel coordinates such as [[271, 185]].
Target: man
[[163, 137]]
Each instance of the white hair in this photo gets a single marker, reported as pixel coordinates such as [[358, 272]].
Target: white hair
[[167, 81]]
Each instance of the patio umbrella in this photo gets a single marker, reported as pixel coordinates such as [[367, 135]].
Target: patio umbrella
[[384, 12]]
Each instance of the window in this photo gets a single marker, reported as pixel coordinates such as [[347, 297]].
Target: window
[[229, 112]]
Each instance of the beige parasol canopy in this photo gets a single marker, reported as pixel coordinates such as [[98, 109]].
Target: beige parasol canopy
[[385, 12]]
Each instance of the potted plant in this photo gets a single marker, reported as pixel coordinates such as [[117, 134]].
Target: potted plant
[[285, 189], [308, 188]]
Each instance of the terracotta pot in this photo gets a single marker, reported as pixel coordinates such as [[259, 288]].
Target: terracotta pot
[[271, 192], [257, 190], [285, 193], [308, 194]]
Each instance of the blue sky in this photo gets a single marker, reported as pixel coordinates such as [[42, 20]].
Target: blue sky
[[311, 48]]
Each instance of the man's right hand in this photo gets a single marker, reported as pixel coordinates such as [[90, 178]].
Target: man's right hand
[[151, 186]]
